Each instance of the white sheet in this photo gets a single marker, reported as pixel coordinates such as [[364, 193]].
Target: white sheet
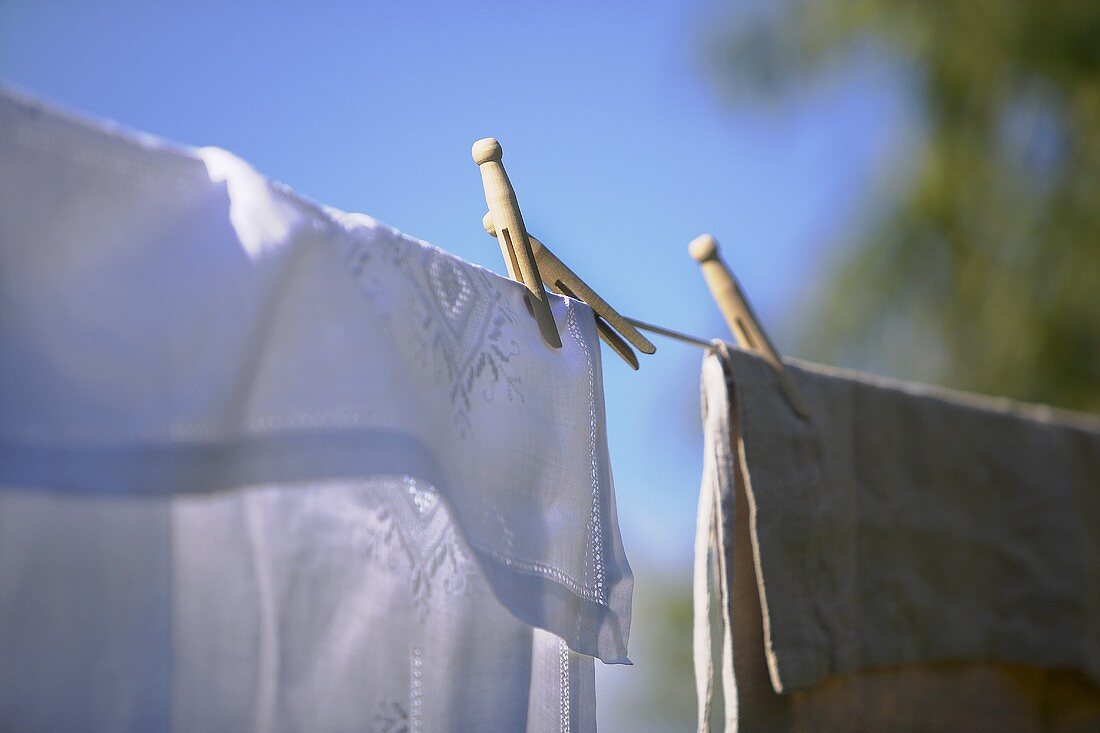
[[268, 465]]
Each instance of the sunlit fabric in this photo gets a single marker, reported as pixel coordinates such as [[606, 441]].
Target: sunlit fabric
[[909, 559], [269, 466]]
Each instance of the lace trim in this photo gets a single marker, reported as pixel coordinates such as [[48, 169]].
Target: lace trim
[[563, 687], [537, 568], [595, 524], [416, 689]]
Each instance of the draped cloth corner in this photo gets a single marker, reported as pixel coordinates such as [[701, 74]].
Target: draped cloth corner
[[910, 559]]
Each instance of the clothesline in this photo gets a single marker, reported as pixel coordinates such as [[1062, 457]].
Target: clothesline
[[670, 333]]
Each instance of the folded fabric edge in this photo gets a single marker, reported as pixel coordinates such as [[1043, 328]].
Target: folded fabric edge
[[796, 664], [1040, 413], [789, 666], [192, 467]]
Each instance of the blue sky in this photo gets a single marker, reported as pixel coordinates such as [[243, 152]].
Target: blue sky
[[616, 140]]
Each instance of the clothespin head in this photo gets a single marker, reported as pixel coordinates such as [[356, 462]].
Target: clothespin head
[[514, 244], [739, 315], [609, 322]]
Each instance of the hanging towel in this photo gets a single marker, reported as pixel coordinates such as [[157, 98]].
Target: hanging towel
[[269, 466], [908, 559]]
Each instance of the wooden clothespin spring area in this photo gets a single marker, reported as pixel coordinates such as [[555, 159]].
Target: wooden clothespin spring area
[[609, 322], [530, 262]]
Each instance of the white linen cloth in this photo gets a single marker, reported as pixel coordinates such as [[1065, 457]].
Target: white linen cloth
[[908, 559], [269, 466]]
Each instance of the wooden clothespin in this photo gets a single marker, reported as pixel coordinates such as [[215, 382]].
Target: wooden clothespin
[[609, 322], [740, 316], [514, 244]]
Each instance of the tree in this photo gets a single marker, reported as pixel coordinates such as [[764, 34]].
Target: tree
[[991, 256]]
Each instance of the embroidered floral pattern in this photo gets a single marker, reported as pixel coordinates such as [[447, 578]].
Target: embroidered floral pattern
[[463, 332], [464, 321], [390, 717], [466, 324], [414, 534]]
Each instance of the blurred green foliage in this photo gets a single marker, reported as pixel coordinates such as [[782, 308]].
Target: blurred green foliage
[[984, 273]]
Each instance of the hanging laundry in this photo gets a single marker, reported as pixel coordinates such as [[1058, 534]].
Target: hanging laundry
[[907, 559], [269, 466]]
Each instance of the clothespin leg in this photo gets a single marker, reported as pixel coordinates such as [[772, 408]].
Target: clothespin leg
[[514, 244], [739, 315], [559, 273]]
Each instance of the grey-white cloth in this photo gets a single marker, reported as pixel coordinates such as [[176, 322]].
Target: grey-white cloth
[[900, 528], [266, 465]]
